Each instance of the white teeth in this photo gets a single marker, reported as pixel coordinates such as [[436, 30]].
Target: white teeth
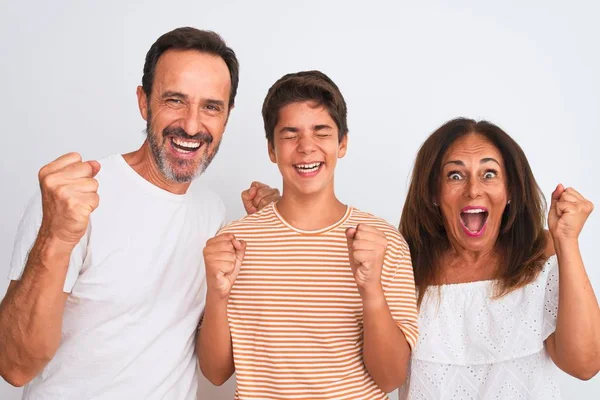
[[308, 167], [189, 145], [474, 211]]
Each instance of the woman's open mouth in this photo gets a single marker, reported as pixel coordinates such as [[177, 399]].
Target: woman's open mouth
[[473, 220]]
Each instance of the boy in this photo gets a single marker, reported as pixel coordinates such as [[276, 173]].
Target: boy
[[308, 298]]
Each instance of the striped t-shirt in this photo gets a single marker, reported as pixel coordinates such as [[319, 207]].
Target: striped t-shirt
[[295, 313]]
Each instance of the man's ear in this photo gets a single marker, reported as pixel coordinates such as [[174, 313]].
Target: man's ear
[[142, 102], [229, 113]]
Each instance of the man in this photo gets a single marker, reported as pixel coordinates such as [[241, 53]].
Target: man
[[106, 305], [308, 297]]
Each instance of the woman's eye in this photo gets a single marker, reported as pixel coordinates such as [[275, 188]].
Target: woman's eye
[[490, 174], [454, 176]]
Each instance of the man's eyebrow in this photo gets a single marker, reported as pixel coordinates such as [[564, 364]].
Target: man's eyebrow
[[170, 93], [215, 102]]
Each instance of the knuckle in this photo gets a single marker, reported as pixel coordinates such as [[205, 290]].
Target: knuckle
[[95, 200], [222, 237], [42, 173], [73, 156], [48, 181], [71, 202], [273, 196], [62, 192]]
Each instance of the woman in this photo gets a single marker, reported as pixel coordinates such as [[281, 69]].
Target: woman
[[492, 322]]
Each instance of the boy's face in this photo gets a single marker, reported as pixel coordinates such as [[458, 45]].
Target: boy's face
[[306, 148]]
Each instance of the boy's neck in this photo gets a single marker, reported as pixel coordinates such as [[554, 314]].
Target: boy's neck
[[313, 212]]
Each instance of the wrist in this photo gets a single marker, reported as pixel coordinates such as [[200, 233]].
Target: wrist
[[49, 237], [566, 246], [214, 298], [372, 295], [50, 250]]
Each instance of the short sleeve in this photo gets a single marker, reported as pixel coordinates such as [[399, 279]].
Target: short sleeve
[[26, 236], [550, 297], [399, 286]]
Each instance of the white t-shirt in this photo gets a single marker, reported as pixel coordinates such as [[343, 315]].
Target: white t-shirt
[[137, 289], [472, 346]]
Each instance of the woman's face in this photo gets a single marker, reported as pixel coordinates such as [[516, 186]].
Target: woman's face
[[473, 193]]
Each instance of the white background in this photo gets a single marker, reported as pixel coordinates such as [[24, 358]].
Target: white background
[[69, 71]]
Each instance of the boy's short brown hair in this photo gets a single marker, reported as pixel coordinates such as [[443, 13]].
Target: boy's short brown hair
[[304, 86]]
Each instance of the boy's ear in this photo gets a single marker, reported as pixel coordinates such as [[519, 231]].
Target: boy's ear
[[343, 146], [271, 151]]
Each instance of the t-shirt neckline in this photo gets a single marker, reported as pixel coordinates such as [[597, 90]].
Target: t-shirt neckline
[[144, 184], [317, 231]]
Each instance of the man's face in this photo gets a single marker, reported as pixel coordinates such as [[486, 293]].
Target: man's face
[[186, 113]]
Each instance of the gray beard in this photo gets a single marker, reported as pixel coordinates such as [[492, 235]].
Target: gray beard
[[165, 163]]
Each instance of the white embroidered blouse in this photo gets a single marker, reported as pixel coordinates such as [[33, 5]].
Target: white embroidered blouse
[[472, 346]]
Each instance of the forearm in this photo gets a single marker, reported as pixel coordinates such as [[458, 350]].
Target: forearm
[[31, 313], [577, 335], [386, 352], [214, 348]]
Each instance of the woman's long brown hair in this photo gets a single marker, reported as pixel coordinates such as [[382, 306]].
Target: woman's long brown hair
[[521, 242]]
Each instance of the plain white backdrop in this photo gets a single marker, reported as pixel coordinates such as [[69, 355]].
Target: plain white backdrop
[[69, 72]]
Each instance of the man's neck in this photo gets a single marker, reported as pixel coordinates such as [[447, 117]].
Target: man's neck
[[142, 162], [313, 212]]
